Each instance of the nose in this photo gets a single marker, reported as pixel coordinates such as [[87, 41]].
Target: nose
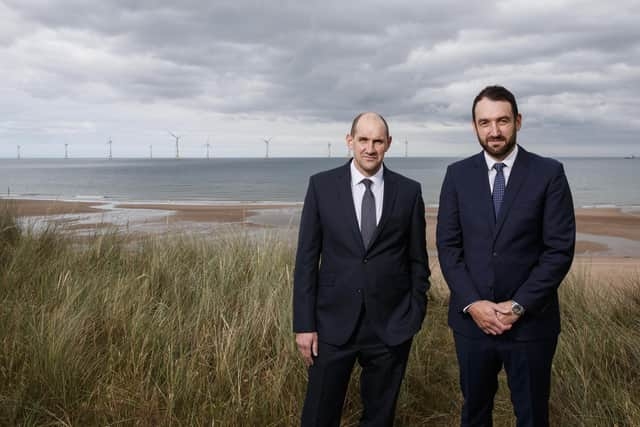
[[370, 147], [495, 129]]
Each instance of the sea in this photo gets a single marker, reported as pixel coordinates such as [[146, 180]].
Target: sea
[[595, 182]]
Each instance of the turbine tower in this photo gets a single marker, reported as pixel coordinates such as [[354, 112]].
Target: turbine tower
[[18, 152], [406, 148], [177, 144], [208, 145], [267, 141], [66, 151], [329, 149], [110, 143]]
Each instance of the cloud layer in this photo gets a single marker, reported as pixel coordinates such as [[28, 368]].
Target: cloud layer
[[79, 72]]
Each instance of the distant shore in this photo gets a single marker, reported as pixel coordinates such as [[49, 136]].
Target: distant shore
[[608, 240]]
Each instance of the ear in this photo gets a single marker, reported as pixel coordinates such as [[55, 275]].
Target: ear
[[518, 121], [349, 139], [388, 144]]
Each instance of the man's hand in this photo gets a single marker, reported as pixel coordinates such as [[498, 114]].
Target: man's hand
[[506, 315], [308, 345], [485, 314]]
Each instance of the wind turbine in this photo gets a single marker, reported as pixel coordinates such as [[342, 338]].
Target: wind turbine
[[66, 151], [406, 148], [208, 147], [267, 141], [110, 143], [177, 144], [18, 152], [329, 149]]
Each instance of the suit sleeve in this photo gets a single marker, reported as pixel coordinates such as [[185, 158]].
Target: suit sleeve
[[558, 240], [305, 277], [450, 247], [419, 260]]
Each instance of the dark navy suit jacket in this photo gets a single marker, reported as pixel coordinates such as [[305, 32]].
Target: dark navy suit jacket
[[335, 274], [523, 255]]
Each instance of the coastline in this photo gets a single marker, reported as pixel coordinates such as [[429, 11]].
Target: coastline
[[608, 238]]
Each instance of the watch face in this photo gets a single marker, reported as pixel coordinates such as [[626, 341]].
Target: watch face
[[517, 309]]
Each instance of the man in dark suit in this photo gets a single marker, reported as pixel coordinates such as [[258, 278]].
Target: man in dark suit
[[360, 280], [506, 237]]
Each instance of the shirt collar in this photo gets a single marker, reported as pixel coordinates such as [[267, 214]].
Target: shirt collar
[[508, 161], [356, 176]]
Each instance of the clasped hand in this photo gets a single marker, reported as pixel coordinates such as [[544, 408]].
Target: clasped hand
[[493, 318]]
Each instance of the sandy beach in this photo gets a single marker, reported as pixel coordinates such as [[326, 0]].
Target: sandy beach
[[608, 239], [85, 217]]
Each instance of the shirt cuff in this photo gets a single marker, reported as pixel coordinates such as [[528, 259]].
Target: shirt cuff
[[464, 310]]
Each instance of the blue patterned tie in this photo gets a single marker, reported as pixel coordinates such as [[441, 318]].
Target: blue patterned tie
[[367, 214], [498, 188]]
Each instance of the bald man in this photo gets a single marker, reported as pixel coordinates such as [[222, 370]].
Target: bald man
[[367, 298]]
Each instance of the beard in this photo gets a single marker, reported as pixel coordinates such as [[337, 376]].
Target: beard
[[499, 152]]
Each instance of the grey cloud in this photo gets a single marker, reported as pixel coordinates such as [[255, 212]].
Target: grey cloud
[[323, 61]]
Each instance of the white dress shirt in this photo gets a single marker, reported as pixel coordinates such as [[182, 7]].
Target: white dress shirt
[[506, 171], [358, 188]]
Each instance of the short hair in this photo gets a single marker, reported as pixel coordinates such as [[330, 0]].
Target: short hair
[[495, 93], [354, 125]]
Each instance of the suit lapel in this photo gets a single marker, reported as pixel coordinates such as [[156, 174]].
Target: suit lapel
[[481, 188], [345, 196], [388, 201], [516, 179]]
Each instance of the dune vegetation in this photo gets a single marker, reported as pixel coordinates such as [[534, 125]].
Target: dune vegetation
[[196, 330]]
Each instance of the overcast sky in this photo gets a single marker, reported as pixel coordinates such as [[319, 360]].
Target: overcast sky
[[233, 72]]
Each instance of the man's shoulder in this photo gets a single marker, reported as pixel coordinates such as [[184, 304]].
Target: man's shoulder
[[539, 160], [460, 166], [330, 173], [544, 167], [404, 182]]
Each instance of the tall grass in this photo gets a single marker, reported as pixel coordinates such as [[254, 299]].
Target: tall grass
[[197, 331]]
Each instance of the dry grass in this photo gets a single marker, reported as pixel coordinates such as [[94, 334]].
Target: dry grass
[[197, 331]]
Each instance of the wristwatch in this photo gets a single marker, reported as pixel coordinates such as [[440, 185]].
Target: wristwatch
[[517, 309]]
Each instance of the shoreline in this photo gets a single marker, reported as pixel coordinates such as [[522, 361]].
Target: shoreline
[[633, 209], [601, 231], [607, 241]]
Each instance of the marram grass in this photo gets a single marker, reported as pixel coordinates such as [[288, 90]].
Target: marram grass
[[197, 331]]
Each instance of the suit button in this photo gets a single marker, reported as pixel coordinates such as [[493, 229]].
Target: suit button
[[495, 254], [366, 260], [359, 291]]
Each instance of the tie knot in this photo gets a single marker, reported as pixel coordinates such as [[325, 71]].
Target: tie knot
[[367, 183], [498, 166]]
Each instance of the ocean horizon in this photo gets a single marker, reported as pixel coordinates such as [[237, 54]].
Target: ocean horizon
[[595, 181]]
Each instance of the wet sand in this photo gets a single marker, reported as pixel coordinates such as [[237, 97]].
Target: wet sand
[[231, 213], [608, 238], [608, 222], [27, 208]]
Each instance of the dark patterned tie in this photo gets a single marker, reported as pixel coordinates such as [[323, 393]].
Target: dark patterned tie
[[498, 188], [367, 214]]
